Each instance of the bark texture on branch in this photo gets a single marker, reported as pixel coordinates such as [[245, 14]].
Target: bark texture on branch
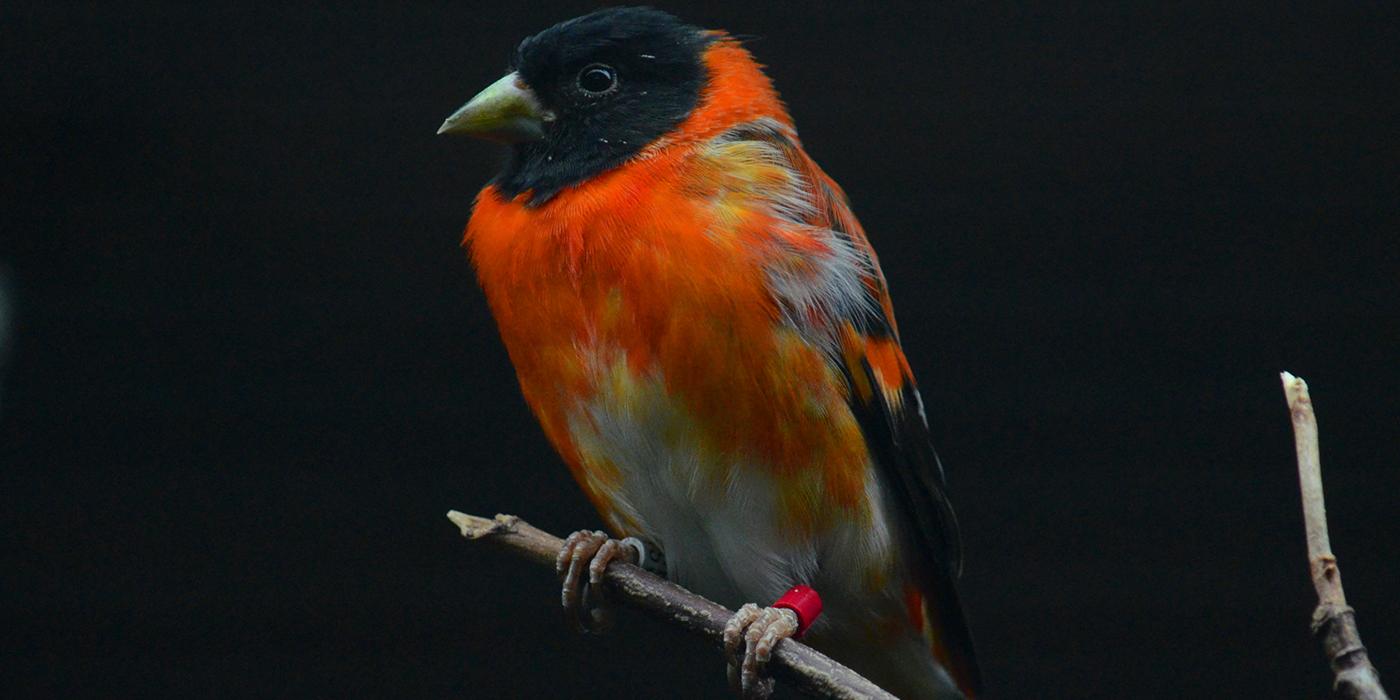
[[1334, 622], [794, 663]]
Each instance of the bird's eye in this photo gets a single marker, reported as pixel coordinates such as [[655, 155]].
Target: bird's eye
[[597, 79]]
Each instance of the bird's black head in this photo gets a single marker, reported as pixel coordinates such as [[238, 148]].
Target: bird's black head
[[587, 94]]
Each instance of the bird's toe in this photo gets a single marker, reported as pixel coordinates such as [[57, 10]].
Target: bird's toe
[[758, 630], [581, 563]]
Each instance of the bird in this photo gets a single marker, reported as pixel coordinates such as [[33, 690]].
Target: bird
[[700, 325]]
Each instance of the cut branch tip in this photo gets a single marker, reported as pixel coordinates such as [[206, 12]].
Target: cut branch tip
[[474, 526]]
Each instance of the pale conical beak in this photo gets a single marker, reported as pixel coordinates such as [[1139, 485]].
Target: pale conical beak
[[507, 111]]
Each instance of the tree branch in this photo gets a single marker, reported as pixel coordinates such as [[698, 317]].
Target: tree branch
[[1333, 621], [795, 663]]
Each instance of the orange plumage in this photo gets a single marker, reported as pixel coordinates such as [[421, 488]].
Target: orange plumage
[[705, 336], [629, 259]]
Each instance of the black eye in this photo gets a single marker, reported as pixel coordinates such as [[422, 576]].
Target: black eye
[[597, 79]]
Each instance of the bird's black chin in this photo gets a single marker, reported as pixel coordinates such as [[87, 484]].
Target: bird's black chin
[[546, 167]]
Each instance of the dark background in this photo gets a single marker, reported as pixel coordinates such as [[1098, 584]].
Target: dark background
[[250, 369]]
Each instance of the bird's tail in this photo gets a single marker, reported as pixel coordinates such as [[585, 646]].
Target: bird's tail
[[946, 631]]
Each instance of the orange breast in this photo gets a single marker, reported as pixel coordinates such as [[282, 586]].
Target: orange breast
[[638, 268], [628, 270]]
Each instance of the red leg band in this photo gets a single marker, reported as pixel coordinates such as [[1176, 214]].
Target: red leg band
[[804, 601]]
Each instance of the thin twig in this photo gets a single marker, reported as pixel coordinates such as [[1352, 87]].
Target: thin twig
[[1333, 620], [794, 663]]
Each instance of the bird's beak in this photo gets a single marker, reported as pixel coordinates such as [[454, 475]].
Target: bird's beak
[[507, 111]]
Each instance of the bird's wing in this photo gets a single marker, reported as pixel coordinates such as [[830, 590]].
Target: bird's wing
[[827, 283]]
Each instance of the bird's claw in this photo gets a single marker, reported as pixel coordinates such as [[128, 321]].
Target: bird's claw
[[758, 630], [583, 597]]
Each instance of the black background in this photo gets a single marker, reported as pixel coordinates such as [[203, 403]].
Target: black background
[[250, 368]]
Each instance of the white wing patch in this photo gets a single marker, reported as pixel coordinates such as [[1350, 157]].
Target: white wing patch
[[817, 274]]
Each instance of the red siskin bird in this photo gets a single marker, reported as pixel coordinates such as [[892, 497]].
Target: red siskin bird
[[702, 329]]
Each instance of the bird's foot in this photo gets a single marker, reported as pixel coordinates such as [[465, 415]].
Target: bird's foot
[[757, 630], [581, 563]]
